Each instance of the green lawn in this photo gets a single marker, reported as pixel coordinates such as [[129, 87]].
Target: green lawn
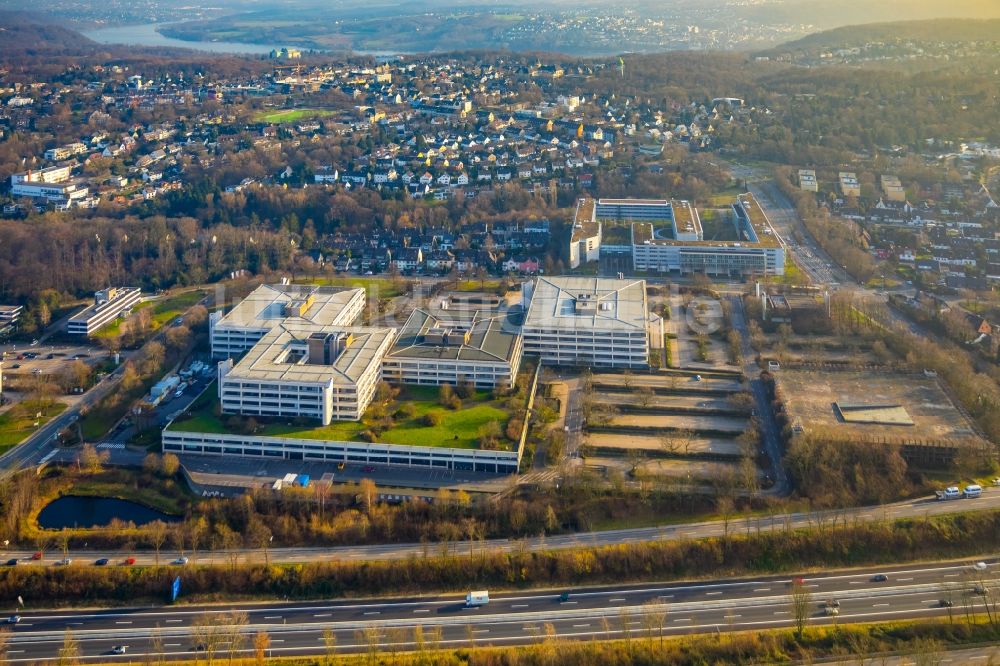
[[19, 422], [458, 428], [290, 115]]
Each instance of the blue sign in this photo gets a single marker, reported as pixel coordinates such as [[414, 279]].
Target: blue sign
[[175, 589]]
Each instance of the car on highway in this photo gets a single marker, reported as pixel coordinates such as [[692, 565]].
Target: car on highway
[[979, 566], [832, 603], [15, 366], [945, 603], [119, 649], [103, 562], [13, 619], [832, 610], [564, 597], [128, 561], [879, 578], [980, 589], [180, 561], [36, 556], [34, 343], [64, 562], [13, 562]]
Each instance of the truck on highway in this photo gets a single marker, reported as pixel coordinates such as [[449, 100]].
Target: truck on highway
[[478, 598]]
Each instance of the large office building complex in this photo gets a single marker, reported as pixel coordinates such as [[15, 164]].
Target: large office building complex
[[667, 236], [447, 347], [582, 321], [109, 304], [302, 369], [239, 330]]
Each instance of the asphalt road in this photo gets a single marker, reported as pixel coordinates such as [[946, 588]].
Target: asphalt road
[[909, 509], [768, 426], [514, 618]]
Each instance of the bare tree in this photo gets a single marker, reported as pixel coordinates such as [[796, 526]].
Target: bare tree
[[801, 599], [69, 654], [208, 634], [330, 644], [261, 646], [157, 531], [234, 623]]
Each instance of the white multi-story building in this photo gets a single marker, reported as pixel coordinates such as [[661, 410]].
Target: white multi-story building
[[51, 184], [667, 235], [807, 180], [109, 304], [301, 369], [582, 321], [447, 347], [269, 305]]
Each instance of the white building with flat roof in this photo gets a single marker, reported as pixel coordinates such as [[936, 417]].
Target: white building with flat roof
[[269, 305], [109, 304], [52, 184], [447, 347], [584, 321], [303, 369]]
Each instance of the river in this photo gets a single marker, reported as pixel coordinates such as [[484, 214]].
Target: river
[[146, 35]]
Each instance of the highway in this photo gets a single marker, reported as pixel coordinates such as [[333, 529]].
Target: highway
[[916, 508], [510, 618]]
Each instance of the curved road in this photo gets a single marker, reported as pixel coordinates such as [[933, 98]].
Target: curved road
[[909, 509], [515, 618]]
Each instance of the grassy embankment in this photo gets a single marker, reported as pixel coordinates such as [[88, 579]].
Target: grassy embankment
[[743, 553], [18, 422]]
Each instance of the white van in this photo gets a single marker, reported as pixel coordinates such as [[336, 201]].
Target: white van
[[478, 598], [952, 493], [973, 491]]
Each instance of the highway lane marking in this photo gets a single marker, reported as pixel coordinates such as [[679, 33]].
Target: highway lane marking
[[951, 575], [270, 617], [683, 619], [183, 620], [781, 612], [373, 612], [877, 605], [519, 605], [903, 580], [615, 599], [421, 610], [580, 626], [762, 589], [124, 622], [712, 594], [480, 631], [277, 640], [171, 645]]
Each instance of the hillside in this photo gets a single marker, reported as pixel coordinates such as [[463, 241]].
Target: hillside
[[930, 31], [22, 33]]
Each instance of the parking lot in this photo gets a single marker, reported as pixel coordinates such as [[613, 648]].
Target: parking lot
[[46, 359]]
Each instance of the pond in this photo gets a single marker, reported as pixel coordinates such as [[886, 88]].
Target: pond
[[77, 511]]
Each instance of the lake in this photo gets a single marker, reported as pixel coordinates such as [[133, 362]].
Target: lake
[[146, 35], [76, 511]]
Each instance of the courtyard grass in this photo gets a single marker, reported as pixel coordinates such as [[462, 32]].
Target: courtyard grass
[[375, 287], [459, 429]]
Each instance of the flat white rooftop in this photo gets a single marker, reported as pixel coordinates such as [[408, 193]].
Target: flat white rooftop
[[282, 355], [266, 306], [562, 303]]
